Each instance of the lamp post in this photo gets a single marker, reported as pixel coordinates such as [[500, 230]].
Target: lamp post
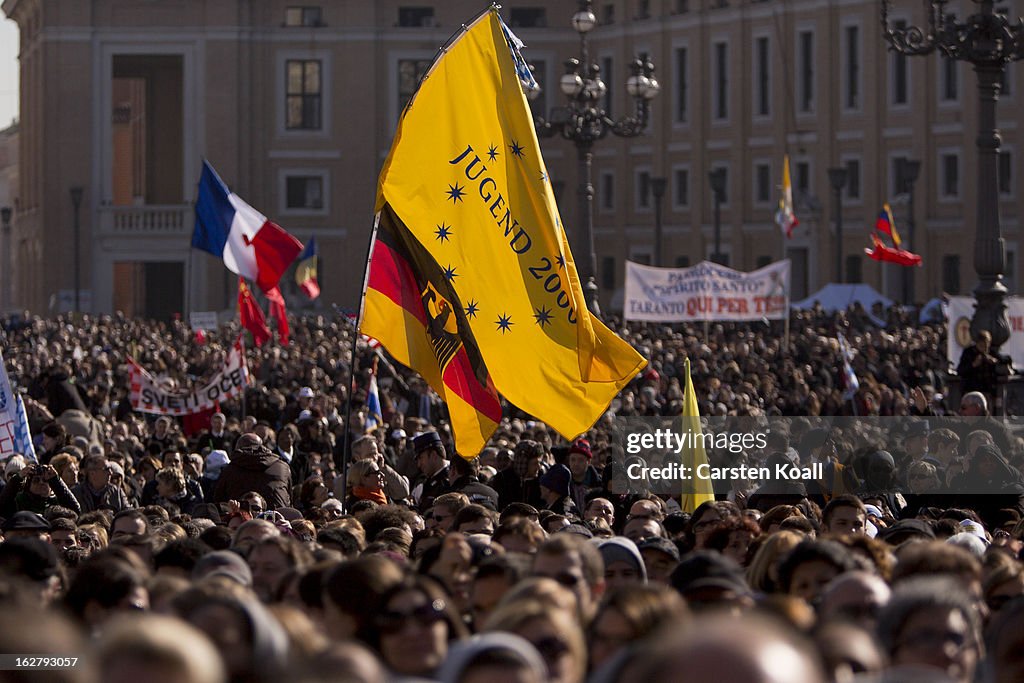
[[716, 178], [584, 121], [8, 262], [989, 41], [76, 202], [837, 178], [658, 190], [910, 170]]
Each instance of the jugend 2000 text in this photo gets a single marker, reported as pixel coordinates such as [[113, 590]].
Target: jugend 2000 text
[[638, 471]]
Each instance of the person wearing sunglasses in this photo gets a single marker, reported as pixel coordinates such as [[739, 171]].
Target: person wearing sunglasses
[[413, 626], [554, 632], [366, 480]]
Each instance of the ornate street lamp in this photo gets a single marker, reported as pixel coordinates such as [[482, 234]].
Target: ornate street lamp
[[989, 41], [584, 121]]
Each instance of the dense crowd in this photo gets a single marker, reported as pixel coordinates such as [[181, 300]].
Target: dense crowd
[[286, 537]]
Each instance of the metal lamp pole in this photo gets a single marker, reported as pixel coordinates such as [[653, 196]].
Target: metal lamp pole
[[658, 190], [716, 179], [584, 121], [910, 172], [76, 202], [837, 178], [989, 41]]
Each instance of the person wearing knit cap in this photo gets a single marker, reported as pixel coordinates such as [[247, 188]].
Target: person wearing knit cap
[[216, 461], [496, 654], [623, 564], [554, 489], [584, 477]]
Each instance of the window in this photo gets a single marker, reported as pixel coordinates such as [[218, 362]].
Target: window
[[853, 179], [806, 43], [763, 261], [949, 90], [528, 17], [721, 97], [854, 270], [899, 181], [762, 183], [1005, 173], [607, 65], [539, 105], [608, 272], [608, 14], [607, 190], [950, 175], [682, 6], [803, 179], [900, 76], [303, 95], [643, 9], [304, 192], [852, 90], [951, 273], [681, 187], [410, 71], [643, 190], [303, 16], [682, 261], [764, 84], [416, 16], [681, 93]]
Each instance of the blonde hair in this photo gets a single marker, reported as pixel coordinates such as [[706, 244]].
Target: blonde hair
[[762, 574], [157, 642], [518, 616]]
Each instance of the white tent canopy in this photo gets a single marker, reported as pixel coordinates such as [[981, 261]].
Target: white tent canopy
[[836, 297]]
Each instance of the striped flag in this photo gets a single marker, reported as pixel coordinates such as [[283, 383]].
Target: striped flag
[[374, 418]]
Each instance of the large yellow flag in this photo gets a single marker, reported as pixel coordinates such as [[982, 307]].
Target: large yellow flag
[[466, 180], [702, 490]]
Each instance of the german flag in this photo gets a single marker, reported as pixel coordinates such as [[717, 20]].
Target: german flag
[[412, 309]]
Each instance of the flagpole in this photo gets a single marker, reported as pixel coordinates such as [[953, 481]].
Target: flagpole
[[355, 360], [785, 342]]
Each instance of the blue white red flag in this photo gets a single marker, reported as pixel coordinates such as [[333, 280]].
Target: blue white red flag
[[228, 228], [374, 418]]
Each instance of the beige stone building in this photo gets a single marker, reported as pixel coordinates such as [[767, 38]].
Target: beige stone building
[[295, 103]]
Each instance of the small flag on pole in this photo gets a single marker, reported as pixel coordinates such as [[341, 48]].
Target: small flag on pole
[[784, 217], [15, 436], [305, 271], [702, 490], [250, 315]]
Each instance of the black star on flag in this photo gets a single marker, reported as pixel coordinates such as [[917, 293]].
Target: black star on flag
[[543, 316], [472, 308], [455, 192], [443, 232], [516, 149], [450, 274], [504, 323], [492, 152]]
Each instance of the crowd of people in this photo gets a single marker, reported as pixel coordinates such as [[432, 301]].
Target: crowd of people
[[296, 535]]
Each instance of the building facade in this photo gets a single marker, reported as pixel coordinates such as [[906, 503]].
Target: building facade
[[296, 105]]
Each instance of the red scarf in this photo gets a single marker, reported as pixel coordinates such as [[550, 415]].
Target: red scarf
[[366, 493]]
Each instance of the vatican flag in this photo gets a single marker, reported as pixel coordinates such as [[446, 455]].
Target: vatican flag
[[465, 195]]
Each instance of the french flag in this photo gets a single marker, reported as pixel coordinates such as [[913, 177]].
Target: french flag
[[228, 228]]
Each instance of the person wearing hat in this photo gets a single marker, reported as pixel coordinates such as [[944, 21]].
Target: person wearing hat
[[584, 477], [660, 557], [254, 467], [432, 462], [26, 524], [555, 486], [214, 463]]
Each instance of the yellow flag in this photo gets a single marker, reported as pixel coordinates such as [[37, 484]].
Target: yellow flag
[[702, 490], [466, 179]]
